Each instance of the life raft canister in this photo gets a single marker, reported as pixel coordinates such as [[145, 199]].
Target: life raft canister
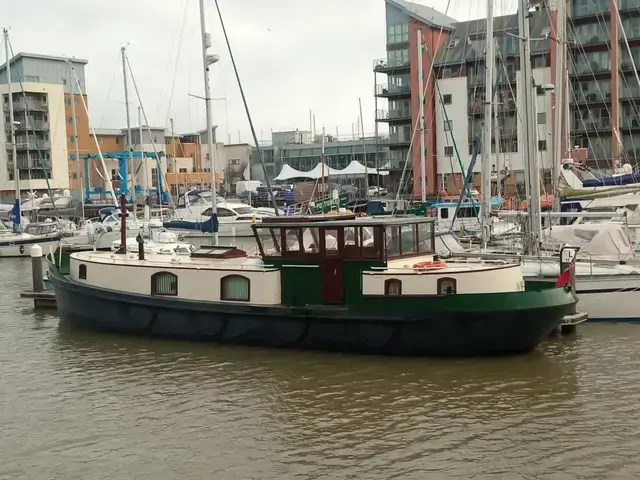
[[430, 265]]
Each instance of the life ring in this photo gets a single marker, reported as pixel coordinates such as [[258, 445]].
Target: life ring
[[430, 265]]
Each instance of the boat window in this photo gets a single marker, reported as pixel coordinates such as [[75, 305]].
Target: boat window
[[409, 241], [244, 210], [207, 212], [426, 240], [223, 212], [447, 286], [351, 236], [444, 213], [235, 288], [82, 271], [164, 283], [331, 241], [467, 212], [393, 241], [293, 240], [393, 287]]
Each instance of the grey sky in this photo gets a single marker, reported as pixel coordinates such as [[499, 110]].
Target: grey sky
[[293, 55]]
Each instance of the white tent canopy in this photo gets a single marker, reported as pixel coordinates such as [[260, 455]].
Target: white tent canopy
[[355, 168]]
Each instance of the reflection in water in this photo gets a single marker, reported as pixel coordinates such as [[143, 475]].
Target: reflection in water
[[82, 405]]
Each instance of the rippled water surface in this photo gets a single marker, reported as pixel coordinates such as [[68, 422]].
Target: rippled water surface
[[78, 405]]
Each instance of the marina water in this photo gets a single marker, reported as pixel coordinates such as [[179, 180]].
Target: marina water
[[78, 405]]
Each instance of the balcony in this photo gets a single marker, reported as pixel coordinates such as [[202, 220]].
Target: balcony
[[590, 125], [393, 115], [582, 41], [600, 7], [388, 91], [395, 140], [628, 121], [30, 105], [32, 125], [582, 97], [627, 93], [32, 144], [628, 5], [506, 78], [381, 65], [591, 68]]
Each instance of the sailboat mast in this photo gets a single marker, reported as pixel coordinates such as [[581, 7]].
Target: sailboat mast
[[529, 140], [12, 127], [324, 192], [206, 61], [561, 21], [490, 59], [423, 160], [129, 142], [76, 148]]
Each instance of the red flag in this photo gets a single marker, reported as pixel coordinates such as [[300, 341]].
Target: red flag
[[565, 277]]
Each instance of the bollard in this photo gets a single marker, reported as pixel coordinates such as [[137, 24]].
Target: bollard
[[36, 268]]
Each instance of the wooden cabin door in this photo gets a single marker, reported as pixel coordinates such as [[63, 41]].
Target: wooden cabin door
[[332, 281]]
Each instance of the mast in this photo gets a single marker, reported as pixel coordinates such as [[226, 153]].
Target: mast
[[129, 142], [12, 127], [364, 154], [529, 139], [561, 20], [423, 162], [145, 175], [490, 59], [324, 192], [76, 148], [498, 159], [208, 60]]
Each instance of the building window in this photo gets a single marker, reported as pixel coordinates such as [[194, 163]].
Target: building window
[[448, 151], [234, 161], [164, 283], [82, 272], [100, 140], [446, 99], [448, 126], [117, 140], [447, 286], [453, 43], [397, 33], [393, 287], [542, 145], [542, 118], [183, 170], [69, 119], [235, 288]]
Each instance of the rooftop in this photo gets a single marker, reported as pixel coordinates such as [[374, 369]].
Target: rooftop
[[425, 14], [43, 57], [462, 49], [341, 221]]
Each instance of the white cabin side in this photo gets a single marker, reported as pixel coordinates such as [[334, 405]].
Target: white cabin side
[[454, 279], [248, 284]]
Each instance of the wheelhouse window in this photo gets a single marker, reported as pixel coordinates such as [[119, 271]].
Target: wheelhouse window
[[447, 286], [393, 287], [164, 283], [82, 272], [235, 288]]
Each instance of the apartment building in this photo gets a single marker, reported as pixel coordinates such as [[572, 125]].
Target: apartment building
[[601, 89], [50, 76]]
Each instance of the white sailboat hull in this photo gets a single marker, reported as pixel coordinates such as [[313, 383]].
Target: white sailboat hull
[[20, 249], [613, 298]]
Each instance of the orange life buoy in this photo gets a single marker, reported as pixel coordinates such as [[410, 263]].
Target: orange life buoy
[[430, 265]]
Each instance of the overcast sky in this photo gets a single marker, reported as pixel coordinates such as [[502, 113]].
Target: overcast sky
[[293, 56]]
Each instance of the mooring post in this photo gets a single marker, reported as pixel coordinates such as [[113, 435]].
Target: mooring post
[[36, 268]]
